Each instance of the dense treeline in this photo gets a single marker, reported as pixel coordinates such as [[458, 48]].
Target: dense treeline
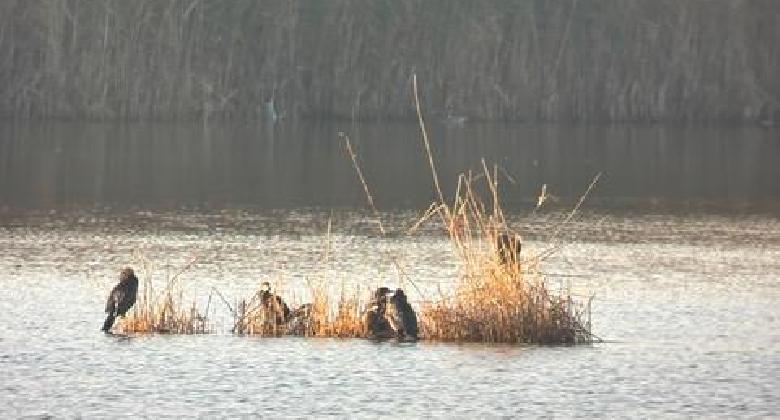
[[560, 60]]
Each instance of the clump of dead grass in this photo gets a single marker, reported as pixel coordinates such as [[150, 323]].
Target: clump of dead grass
[[338, 317], [495, 301], [164, 310], [328, 314]]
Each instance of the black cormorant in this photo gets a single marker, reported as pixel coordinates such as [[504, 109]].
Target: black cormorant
[[404, 317], [279, 311], [377, 325], [121, 298], [300, 320]]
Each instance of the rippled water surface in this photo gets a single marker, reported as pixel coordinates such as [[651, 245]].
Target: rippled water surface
[[687, 305], [686, 302]]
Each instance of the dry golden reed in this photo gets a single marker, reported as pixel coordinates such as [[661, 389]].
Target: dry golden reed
[[328, 314], [164, 311], [495, 301]]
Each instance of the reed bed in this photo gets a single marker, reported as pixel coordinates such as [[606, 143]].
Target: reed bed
[[329, 314], [596, 61], [164, 310], [340, 317], [495, 301], [492, 301], [253, 316]]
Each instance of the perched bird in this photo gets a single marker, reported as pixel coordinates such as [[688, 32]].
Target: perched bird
[[121, 298], [508, 247], [300, 320], [403, 317], [276, 307], [376, 322]]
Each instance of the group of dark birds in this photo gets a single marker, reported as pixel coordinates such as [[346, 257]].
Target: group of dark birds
[[391, 317], [389, 314], [274, 305]]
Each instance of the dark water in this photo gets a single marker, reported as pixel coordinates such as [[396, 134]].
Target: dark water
[[57, 165], [687, 302]]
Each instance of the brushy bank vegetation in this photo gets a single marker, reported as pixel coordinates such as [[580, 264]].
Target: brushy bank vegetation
[[552, 60]]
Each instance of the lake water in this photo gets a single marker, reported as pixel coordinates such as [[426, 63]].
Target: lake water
[[681, 247], [78, 165]]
